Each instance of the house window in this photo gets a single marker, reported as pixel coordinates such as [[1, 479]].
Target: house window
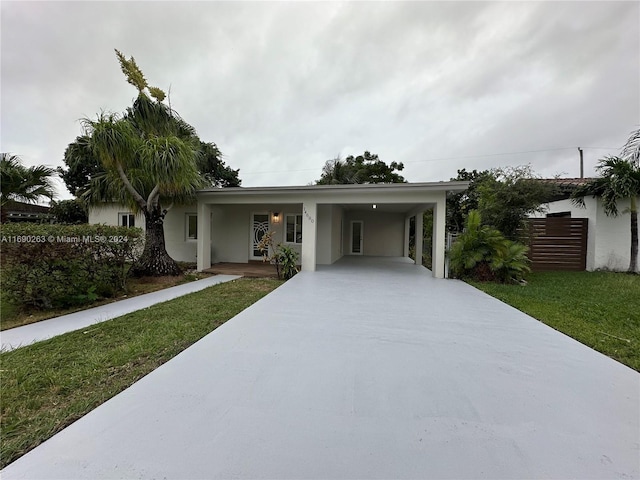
[[559, 215], [192, 226], [294, 228], [126, 219]]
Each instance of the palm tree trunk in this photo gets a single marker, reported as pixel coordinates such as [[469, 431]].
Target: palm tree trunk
[[155, 261], [633, 261]]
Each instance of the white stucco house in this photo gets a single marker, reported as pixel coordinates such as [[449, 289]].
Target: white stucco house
[[322, 222], [608, 238]]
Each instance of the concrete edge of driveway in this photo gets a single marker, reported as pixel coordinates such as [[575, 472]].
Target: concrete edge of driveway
[[36, 332]]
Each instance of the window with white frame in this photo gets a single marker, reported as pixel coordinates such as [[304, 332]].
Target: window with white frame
[[126, 219], [293, 225], [191, 225]]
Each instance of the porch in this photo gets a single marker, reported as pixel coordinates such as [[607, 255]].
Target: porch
[[249, 270]]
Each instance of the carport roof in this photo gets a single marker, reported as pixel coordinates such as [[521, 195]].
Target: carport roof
[[455, 186]]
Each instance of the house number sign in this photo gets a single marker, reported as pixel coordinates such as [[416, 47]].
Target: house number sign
[[306, 214]]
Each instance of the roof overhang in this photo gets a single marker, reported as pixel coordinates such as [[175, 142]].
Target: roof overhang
[[414, 193]]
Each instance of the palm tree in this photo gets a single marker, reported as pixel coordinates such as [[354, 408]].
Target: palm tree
[[631, 149], [149, 161], [337, 172], [620, 179], [23, 184]]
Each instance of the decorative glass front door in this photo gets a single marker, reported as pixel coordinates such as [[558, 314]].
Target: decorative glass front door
[[259, 226]]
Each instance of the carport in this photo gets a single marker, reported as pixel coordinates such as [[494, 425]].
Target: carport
[[324, 223]]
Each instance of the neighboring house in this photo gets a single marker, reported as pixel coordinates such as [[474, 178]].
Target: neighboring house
[[322, 222], [25, 212], [608, 238]]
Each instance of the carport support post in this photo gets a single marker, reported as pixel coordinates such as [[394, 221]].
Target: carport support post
[[309, 234], [204, 236], [419, 237], [438, 240]]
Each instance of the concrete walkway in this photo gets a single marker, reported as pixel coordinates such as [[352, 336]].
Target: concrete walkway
[[36, 332], [366, 369]]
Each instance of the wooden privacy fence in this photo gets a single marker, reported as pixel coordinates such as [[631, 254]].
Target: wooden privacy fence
[[558, 244]]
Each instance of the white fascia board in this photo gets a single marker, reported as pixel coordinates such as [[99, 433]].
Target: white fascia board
[[331, 194]]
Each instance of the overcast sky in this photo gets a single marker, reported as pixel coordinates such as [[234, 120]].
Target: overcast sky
[[281, 87]]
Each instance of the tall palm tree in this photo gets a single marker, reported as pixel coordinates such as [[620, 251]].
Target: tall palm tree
[[620, 179], [149, 161], [23, 184]]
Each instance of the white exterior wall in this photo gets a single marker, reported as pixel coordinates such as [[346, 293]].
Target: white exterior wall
[[175, 227], [337, 232], [231, 229], [609, 238], [383, 232], [329, 237], [613, 241], [107, 214], [175, 234], [324, 235]]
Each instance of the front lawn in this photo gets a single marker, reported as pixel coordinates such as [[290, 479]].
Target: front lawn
[[49, 385], [12, 316], [599, 309]]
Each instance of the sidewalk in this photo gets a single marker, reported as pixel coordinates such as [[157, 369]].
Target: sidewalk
[[36, 332]]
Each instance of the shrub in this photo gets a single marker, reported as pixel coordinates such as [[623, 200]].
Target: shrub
[[483, 253], [69, 211], [283, 257], [287, 257], [48, 266]]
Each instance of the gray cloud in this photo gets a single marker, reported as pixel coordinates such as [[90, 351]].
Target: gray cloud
[[281, 87]]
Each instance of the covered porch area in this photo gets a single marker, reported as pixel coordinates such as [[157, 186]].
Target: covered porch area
[[322, 223]]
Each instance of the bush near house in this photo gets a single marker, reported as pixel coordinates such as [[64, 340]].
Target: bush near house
[[283, 257], [47, 266], [483, 253]]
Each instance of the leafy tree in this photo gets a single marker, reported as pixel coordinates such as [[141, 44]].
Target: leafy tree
[[69, 211], [82, 165], [461, 203], [148, 160], [366, 168], [23, 184], [620, 179], [482, 253], [508, 196], [212, 167], [504, 197]]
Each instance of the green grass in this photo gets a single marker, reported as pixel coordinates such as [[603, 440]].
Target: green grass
[[49, 385], [12, 316], [599, 309]]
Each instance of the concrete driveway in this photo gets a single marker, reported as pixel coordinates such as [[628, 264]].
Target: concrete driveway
[[368, 368]]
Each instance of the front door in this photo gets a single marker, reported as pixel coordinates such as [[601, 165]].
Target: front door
[[259, 226], [356, 237]]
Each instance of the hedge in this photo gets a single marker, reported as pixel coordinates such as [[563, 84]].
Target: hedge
[[50, 266]]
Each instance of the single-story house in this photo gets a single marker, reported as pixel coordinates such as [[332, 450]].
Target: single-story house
[[608, 238], [322, 222], [25, 212]]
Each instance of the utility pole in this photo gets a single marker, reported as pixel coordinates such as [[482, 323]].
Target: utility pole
[[581, 163]]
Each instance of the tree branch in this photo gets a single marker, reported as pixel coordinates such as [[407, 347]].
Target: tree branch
[[136, 196], [154, 193]]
